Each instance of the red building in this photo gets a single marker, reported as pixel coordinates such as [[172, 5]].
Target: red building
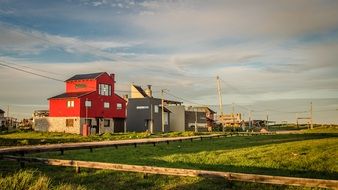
[[90, 99]]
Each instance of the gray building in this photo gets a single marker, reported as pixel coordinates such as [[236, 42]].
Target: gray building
[[184, 118], [144, 112]]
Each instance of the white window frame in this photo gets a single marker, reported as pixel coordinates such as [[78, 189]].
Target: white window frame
[[88, 103], [156, 108], [106, 105], [105, 89], [70, 103], [119, 106]]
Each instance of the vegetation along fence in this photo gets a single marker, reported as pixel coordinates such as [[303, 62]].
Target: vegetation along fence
[[229, 176]]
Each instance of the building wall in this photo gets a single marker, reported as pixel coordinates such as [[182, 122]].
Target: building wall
[[190, 118], [58, 107], [58, 124], [97, 109], [139, 111], [81, 85], [177, 117], [134, 93]]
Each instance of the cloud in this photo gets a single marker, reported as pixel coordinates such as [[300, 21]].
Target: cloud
[[31, 41]]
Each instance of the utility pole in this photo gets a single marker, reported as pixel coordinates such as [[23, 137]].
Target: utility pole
[[151, 118], [233, 113], [162, 109], [297, 120], [267, 120], [311, 116], [219, 95], [196, 130], [250, 119], [8, 111]]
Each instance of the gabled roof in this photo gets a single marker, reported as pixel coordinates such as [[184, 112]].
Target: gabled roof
[[2, 111], [192, 108], [71, 95], [85, 76], [140, 90]]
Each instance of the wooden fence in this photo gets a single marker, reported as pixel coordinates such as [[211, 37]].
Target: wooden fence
[[133, 142], [229, 176]]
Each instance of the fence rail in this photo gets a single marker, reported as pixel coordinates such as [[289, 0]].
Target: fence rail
[[133, 142], [229, 176]]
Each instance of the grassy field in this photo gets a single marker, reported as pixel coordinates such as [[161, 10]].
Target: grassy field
[[19, 138], [300, 155]]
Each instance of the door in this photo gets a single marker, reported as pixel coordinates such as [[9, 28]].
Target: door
[[118, 125]]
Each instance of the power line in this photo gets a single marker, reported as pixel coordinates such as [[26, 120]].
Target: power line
[[5, 64], [180, 98], [29, 72], [31, 68]]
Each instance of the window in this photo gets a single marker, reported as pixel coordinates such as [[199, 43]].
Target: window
[[156, 108], [106, 123], [88, 121], [88, 103], [106, 105], [70, 103], [69, 122], [105, 89], [119, 106], [166, 118]]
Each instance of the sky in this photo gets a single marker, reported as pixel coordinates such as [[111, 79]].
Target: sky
[[271, 56]]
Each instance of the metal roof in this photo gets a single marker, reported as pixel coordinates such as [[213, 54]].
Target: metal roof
[[71, 95], [85, 76]]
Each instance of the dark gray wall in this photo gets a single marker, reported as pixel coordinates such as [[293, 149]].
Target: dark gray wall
[[190, 117], [137, 117]]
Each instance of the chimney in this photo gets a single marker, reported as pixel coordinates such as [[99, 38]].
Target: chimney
[[125, 97], [148, 91], [112, 75]]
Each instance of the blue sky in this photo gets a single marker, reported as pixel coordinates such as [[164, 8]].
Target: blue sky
[[267, 52]]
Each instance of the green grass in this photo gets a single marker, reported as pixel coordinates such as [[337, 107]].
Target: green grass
[[308, 155], [322, 129], [301, 155], [20, 138], [31, 180]]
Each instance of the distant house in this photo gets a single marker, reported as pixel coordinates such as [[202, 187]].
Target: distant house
[[2, 118], [89, 99], [7, 123], [230, 120], [188, 118], [145, 112]]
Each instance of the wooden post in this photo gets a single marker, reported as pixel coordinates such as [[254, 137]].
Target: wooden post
[[77, 168]]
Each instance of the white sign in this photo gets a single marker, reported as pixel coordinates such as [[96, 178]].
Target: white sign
[[142, 107]]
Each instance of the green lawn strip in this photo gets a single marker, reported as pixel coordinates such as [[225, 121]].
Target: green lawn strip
[[19, 138], [308, 155]]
